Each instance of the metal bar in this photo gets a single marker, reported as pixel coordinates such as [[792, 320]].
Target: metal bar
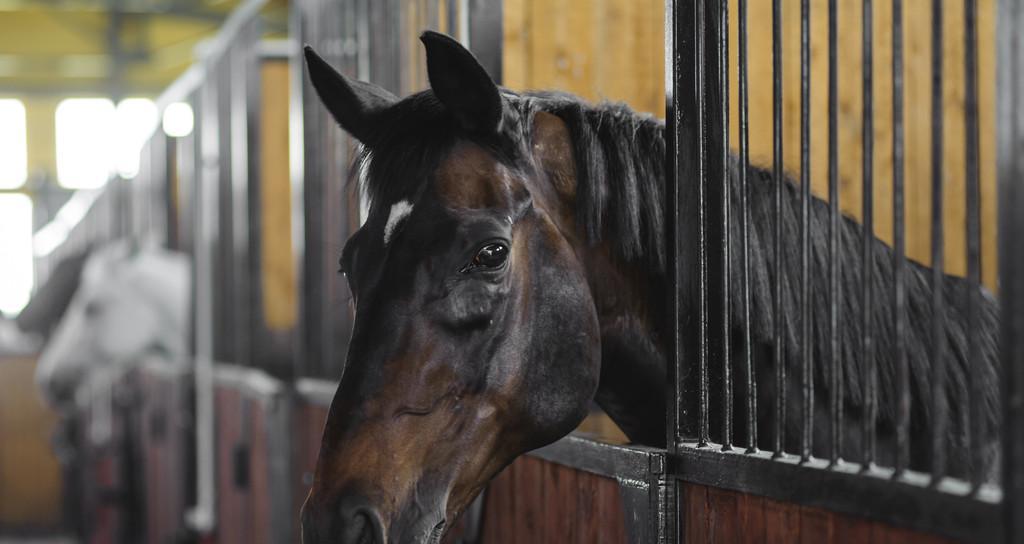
[[685, 216], [938, 354], [780, 181], [702, 175], [673, 205], [674, 64], [807, 371], [978, 433], [870, 377], [748, 359], [899, 245], [485, 35], [835, 368], [203, 516], [1009, 89], [726, 271]]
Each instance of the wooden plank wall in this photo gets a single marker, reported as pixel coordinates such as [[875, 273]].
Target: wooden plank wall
[[164, 424], [30, 476], [309, 421], [534, 500], [613, 49], [597, 49], [280, 306], [709, 514]]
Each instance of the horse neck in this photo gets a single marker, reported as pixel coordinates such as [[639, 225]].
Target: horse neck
[[630, 311]]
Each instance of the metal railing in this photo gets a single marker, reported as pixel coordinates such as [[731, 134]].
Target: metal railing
[[715, 358]]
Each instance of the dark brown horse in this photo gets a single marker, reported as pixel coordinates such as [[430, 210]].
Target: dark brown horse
[[510, 272]]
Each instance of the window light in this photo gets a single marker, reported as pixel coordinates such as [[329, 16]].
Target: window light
[[13, 148], [177, 122], [16, 248], [136, 119]]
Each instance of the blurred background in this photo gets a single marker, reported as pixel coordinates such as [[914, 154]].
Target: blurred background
[[140, 135]]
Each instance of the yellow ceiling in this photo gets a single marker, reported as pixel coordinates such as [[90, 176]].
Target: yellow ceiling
[[67, 47]]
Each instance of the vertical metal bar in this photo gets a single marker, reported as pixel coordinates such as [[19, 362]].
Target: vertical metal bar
[[748, 359], [807, 371], [938, 354], [780, 181], [686, 209], [203, 516], [674, 62], [1010, 88], [835, 369], [726, 272], [978, 432], [899, 246], [702, 201], [868, 242], [485, 35]]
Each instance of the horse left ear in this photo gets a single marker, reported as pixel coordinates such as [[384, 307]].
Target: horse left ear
[[462, 84]]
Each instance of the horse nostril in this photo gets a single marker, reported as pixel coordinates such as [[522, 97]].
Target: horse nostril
[[361, 525]]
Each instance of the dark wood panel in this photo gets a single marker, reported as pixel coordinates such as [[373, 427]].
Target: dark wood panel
[[716, 515], [534, 500], [259, 476], [164, 424], [308, 425], [233, 519]]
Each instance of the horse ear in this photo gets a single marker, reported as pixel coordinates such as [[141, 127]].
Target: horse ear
[[462, 84], [356, 105]]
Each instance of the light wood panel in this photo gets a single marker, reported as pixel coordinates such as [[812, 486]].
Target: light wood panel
[[599, 49], [917, 118], [613, 49], [30, 476], [280, 303]]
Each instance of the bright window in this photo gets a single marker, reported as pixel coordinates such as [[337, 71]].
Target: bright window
[[13, 161], [178, 120], [16, 252], [136, 120], [86, 142]]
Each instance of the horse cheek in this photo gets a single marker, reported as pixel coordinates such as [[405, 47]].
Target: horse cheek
[[566, 341]]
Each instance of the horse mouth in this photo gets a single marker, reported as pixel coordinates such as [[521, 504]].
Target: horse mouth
[[436, 533]]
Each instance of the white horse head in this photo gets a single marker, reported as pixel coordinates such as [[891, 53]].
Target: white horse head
[[130, 303]]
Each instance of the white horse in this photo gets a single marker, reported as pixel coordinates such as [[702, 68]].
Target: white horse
[[132, 303]]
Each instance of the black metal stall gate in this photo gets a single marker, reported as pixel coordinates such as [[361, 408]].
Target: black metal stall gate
[[712, 304]]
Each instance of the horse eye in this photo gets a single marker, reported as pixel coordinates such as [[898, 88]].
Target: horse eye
[[492, 255]]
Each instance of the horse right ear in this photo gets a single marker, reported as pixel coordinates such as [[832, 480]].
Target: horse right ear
[[356, 105]]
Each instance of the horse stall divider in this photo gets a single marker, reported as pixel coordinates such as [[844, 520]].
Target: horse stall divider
[[1011, 258], [167, 449], [254, 436], [823, 488]]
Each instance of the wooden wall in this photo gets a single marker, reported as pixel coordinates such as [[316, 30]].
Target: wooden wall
[[597, 49], [165, 450], [538, 501], [309, 421], [30, 476], [708, 514], [613, 49], [280, 304]]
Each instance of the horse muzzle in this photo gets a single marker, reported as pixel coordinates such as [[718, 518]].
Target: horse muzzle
[[354, 521]]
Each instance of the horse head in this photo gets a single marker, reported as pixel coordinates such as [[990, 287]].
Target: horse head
[[130, 302], [476, 337]]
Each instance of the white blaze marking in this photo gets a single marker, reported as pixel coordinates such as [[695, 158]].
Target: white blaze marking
[[399, 211]]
